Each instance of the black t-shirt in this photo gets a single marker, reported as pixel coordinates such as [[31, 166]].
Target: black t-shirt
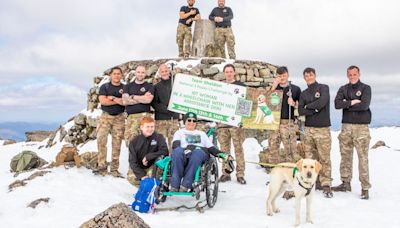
[[187, 9], [138, 90], [109, 89], [285, 106]]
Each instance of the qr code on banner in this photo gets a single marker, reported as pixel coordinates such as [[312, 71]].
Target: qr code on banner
[[243, 107]]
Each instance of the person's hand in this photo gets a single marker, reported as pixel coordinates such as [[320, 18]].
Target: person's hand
[[276, 82], [144, 177], [355, 101], [188, 21], [291, 102], [192, 12], [144, 161]]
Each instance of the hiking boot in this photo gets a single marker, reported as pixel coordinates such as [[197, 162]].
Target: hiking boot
[[115, 173], [101, 172], [343, 187], [326, 190], [364, 194], [241, 180], [318, 185], [225, 178]]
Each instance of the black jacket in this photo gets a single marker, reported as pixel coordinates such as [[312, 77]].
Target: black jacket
[[162, 95], [358, 113], [151, 147], [314, 104]]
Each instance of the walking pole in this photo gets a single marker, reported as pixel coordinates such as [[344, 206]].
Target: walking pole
[[290, 117]]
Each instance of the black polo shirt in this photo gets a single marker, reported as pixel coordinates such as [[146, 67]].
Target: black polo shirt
[[138, 90], [187, 9], [109, 89]]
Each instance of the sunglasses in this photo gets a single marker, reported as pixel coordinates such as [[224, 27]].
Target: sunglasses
[[191, 120]]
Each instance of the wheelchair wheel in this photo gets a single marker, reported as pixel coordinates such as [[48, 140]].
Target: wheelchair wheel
[[160, 198], [211, 180]]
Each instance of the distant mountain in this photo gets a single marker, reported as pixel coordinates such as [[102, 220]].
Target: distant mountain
[[16, 130]]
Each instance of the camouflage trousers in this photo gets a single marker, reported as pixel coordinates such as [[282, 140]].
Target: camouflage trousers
[[167, 128], [222, 36], [275, 138], [183, 39], [114, 125], [132, 128], [131, 177], [354, 136], [317, 145], [225, 135]]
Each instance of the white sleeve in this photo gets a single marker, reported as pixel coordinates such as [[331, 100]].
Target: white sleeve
[[205, 141]]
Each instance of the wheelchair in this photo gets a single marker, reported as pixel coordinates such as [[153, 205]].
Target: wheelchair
[[206, 180]]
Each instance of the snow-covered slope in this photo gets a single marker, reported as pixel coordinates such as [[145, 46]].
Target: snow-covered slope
[[77, 195]]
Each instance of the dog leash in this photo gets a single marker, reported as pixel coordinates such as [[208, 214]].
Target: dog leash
[[270, 165]]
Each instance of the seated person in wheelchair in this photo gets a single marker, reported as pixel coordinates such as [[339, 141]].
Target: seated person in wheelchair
[[144, 150], [190, 148]]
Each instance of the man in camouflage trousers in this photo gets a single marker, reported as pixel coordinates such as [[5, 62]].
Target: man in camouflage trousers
[[187, 14], [112, 121], [166, 121], [137, 97], [354, 99], [223, 33], [314, 105], [291, 96], [226, 134]]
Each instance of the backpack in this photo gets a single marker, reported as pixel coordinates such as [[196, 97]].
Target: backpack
[[145, 196], [26, 160]]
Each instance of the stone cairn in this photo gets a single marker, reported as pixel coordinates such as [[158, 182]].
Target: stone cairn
[[251, 73]]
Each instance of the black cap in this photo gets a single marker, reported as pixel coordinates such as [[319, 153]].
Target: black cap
[[189, 115]]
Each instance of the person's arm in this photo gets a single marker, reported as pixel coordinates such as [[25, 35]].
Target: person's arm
[[157, 105], [108, 100], [162, 149], [212, 15], [129, 100], [183, 15], [144, 99], [322, 101], [302, 110], [230, 15], [340, 100], [275, 84], [176, 141], [197, 17], [133, 162], [365, 101]]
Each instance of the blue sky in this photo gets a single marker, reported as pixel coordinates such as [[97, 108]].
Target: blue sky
[[51, 50]]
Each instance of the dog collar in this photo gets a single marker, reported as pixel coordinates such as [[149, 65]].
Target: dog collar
[[295, 170]]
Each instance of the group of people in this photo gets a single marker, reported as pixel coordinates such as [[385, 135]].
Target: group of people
[[188, 147], [223, 34], [353, 99]]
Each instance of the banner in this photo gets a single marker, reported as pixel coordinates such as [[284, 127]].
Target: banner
[[225, 103]]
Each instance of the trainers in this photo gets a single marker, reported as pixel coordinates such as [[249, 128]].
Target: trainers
[[183, 189], [326, 190], [364, 194], [241, 180], [224, 178], [343, 187]]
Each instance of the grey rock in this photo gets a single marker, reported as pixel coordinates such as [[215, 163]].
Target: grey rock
[[37, 136], [80, 119], [152, 70], [116, 216], [210, 71], [241, 71], [219, 77], [91, 122]]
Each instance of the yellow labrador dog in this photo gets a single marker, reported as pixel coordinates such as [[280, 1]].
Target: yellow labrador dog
[[301, 177]]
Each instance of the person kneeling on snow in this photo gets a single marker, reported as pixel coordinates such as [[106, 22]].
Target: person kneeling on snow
[[144, 150], [190, 147]]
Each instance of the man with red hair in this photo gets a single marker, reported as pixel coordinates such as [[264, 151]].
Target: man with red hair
[[144, 149]]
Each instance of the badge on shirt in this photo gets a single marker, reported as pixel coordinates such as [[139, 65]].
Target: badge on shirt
[[358, 93], [153, 142], [224, 10], [317, 94], [121, 91], [142, 89]]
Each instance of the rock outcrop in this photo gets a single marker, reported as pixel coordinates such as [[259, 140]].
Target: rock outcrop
[[116, 216], [37, 136]]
